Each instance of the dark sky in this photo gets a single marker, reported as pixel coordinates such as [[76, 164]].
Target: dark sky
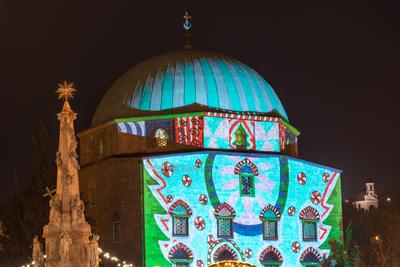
[[335, 68]]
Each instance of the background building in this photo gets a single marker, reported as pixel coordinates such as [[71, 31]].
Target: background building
[[191, 160], [367, 198]]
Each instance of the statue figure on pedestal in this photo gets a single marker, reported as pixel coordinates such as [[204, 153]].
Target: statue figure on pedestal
[[55, 210], [93, 251], [65, 245], [77, 210], [37, 253], [67, 234]]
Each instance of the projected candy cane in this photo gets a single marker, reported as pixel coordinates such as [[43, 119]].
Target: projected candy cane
[[210, 240], [295, 246], [199, 223], [249, 253], [315, 197], [203, 199], [291, 211], [186, 180], [198, 163], [167, 169], [301, 178], [326, 177], [170, 198]]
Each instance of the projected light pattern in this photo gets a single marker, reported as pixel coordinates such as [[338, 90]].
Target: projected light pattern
[[218, 130], [282, 222]]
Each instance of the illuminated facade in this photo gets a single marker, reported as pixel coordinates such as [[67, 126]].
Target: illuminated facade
[[192, 160]]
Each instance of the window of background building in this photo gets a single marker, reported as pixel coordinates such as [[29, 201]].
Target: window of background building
[[116, 231], [92, 195]]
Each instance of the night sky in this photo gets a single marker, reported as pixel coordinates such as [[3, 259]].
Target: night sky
[[334, 67]]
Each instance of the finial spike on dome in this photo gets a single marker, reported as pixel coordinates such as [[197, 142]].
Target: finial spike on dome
[[187, 25]]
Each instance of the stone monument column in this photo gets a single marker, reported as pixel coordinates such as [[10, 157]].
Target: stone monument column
[[67, 242]]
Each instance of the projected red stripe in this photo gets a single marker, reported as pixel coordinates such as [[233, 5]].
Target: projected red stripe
[[162, 180]]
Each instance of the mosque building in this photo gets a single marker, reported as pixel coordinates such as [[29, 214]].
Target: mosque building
[[191, 160]]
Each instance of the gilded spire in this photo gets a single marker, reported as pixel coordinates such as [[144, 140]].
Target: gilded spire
[[66, 90]]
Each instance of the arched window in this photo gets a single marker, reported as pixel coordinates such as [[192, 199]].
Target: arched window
[[161, 137], [180, 255], [310, 257], [224, 253], [271, 257], [116, 227], [270, 217], [309, 217], [224, 214], [247, 172], [180, 213]]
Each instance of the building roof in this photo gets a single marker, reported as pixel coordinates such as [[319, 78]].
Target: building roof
[[185, 78], [360, 196]]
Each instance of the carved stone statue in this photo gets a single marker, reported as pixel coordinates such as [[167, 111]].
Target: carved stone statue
[[93, 251], [37, 253], [77, 210], [65, 245], [55, 210]]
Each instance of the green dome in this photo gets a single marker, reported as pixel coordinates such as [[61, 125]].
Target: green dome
[[201, 79]]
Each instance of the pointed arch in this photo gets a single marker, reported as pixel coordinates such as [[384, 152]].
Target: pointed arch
[[224, 210], [180, 255], [271, 256], [180, 208], [269, 212], [309, 213], [224, 252], [310, 256], [250, 166]]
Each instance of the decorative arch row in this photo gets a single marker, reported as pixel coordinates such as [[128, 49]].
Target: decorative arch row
[[272, 257], [181, 212]]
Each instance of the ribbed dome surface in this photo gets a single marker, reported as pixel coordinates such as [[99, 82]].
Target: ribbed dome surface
[[182, 78]]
